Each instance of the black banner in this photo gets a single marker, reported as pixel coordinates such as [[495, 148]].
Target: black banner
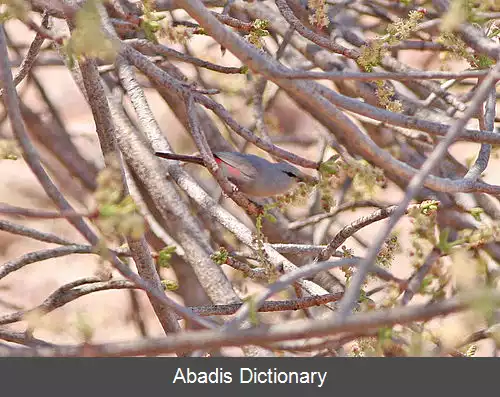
[[246, 376]]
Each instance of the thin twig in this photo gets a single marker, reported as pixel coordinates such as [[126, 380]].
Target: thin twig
[[142, 45], [486, 122], [341, 208], [37, 256], [315, 38], [21, 230], [43, 214], [31, 56], [416, 279]]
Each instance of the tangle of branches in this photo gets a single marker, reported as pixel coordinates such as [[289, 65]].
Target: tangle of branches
[[390, 105]]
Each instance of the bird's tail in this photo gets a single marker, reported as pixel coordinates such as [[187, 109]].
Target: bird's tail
[[181, 157]]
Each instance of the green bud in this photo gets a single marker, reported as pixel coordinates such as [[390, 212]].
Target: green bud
[[260, 24], [330, 167], [108, 210], [170, 285], [154, 26], [271, 218], [165, 255], [220, 257], [476, 213]]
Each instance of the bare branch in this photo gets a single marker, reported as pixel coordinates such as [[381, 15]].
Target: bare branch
[[352, 293], [13, 228], [261, 336], [31, 55]]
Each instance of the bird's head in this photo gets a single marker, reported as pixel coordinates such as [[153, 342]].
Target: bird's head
[[295, 173]]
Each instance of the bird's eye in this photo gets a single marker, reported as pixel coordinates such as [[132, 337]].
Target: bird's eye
[[290, 174]]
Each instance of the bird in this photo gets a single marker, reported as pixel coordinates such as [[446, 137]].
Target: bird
[[251, 174]]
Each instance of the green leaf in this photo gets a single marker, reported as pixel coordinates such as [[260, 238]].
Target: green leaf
[[252, 317], [476, 213], [170, 285], [384, 334], [165, 256], [270, 217], [221, 256], [329, 167], [108, 210]]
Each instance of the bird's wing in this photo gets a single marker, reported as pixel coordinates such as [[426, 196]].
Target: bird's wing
[[239, 162]]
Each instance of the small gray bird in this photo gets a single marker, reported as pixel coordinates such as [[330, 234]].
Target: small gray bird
[[251, 174]]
